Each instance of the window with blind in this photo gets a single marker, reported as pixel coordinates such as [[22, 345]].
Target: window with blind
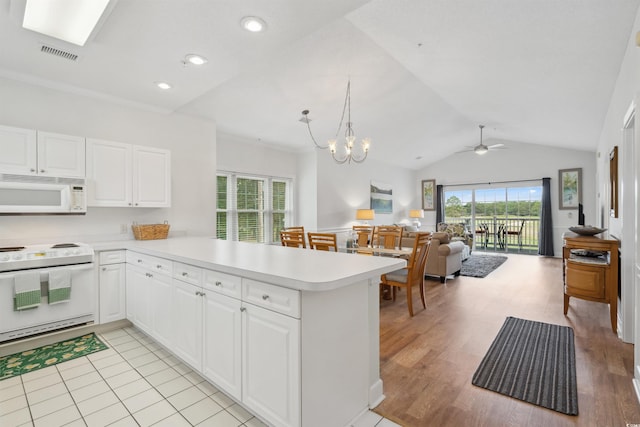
[[252, 208]]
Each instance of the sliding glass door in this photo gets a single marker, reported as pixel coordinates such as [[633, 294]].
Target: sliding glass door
[[502, 218]]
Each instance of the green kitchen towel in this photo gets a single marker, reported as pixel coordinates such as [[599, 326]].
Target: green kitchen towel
[[59, 295], [26, 288], [25, 300], [59, 286]]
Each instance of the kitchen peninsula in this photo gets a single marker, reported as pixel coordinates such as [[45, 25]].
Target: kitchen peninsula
[[291, 334]]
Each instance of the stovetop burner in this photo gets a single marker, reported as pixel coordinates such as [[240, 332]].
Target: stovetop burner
[[65, 245], [12, 249]]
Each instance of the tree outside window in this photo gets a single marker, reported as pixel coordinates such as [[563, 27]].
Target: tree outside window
[[252, 209]]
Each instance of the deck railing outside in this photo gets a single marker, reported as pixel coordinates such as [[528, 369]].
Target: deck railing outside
[[502, 234]]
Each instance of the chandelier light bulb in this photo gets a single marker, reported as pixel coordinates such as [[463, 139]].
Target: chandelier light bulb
[[332, 145]]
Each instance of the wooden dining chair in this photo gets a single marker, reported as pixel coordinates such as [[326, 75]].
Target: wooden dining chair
[[293, 238], [387, 236], [413, 274], [364, 233], [323, 241]]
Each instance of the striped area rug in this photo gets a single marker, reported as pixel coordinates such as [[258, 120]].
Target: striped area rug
[[534, 362]]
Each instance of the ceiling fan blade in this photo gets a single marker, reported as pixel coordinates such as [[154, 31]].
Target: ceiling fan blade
[[491, 147], [465, 151]]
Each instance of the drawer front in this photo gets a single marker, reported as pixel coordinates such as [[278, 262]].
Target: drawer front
[[222, 283], [159, 265], [276, 298], [187, 273], [112, 257], [585, 280]]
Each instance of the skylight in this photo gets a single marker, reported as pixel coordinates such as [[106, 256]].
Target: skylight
[[68, 20]]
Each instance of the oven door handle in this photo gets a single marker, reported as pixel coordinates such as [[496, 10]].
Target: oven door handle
[[74, 267], [45, 271]]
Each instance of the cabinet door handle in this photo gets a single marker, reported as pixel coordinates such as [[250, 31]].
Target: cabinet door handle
[[218, 283], [104, 268], [265, 297], [41, 170], [203, 294], [158, 266], [129, 204], [136, 204], [139, 260], [185, 274], [33, 170], [198, 293], [243, 309]]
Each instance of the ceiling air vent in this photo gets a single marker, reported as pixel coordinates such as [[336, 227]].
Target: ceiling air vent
[[58, 52]]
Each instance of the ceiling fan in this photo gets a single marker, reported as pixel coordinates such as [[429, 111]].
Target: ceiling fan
[[481, 149]]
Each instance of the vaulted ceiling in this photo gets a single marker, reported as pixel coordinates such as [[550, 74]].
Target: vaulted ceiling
[[424, 73]]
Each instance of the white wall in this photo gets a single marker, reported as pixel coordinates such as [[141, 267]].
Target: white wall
[[344, 188], [327, 194], [520, 162], [192, 143], [237, 154], [626, 91]]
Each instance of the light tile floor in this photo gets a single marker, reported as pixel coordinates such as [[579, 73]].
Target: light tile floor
[[133, 383]]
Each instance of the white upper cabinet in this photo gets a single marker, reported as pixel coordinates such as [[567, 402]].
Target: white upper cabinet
[[122, 174], [27, 152], [109, 173], [61, 155], [151, 177], [18, 148]]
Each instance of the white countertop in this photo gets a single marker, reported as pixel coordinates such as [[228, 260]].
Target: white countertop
[[301, 269]]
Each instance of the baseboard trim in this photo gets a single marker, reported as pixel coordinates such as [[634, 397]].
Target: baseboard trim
[[376, 395]]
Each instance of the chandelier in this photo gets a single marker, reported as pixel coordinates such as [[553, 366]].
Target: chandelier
[[347, 152]]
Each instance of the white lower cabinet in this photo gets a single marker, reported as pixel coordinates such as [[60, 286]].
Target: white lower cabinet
[[187, 323], [150, 296], [247, 338], [222, 343], [111, 279], [271, 365], [162, 309], [138, 297]]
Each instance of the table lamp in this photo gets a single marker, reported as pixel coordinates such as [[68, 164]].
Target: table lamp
[[365, 215], [415, 214]]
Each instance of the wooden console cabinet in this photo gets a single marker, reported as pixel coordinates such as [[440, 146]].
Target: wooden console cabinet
[[591, 278]]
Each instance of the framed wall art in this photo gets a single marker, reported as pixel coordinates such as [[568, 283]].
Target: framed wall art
[[381, 198], [570, 182], [429, 194]]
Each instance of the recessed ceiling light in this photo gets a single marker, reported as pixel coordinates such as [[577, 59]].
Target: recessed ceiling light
[[163, 85], [194, 59], [253, 24], [71, 21]]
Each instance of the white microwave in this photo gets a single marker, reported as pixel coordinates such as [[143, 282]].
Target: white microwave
[[25, 194]]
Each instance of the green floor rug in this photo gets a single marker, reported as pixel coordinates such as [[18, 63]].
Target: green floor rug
[[48, 355]]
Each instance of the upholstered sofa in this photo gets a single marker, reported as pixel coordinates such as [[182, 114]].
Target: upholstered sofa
[[445, 256], [457, 231]]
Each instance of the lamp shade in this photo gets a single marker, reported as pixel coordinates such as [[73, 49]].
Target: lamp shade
[[416, 213], [365, 214]]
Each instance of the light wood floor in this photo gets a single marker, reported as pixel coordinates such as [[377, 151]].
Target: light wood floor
[[427, 361]]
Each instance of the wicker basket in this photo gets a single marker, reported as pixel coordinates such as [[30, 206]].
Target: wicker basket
[[150, 231]]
